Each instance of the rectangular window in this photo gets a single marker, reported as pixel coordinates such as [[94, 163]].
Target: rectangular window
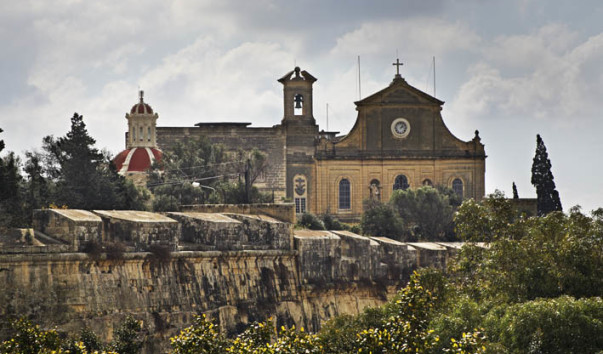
[[141, 132], [300, 205]]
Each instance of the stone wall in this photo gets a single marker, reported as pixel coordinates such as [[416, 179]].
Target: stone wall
[[236, 267], [284, 212], [74, 227], [232, 231], [139, 229]]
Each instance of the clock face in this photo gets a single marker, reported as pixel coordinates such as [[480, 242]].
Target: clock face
[[400, 128]]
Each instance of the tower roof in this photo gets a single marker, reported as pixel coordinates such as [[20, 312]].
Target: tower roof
[[141, 107], [297, 75], [138, 159]]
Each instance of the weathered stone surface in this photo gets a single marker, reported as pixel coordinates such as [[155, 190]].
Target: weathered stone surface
[[319, 253], [250, 267], [139, 229], [73, 226]]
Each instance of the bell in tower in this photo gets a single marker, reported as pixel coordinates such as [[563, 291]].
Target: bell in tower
[[297, 96]]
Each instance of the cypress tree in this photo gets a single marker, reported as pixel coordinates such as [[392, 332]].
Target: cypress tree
[[515, 194], [542, 179]]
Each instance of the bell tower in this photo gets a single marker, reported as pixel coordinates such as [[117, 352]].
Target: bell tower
[[297, 96], [301, 132]]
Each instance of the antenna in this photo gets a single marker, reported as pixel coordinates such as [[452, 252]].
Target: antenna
[[359, 81], [434, 78], [327, 117]]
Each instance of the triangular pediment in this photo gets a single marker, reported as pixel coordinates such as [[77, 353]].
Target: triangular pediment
[[400, 93]]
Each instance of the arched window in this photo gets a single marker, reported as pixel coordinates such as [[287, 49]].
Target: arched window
[[401, 182], [427, 182], [344, 194], [148, 133], [298, 104], [457, 187], [140, 135]]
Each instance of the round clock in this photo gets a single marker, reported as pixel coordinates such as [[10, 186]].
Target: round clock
[[400, 128]]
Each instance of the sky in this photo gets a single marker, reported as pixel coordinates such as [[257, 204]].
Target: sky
[[510, 69]]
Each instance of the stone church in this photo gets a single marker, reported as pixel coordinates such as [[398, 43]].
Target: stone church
[[399, 141]]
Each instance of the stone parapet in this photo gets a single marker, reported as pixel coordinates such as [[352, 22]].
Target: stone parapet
[[284, 212], [139, 229], [74, 227]]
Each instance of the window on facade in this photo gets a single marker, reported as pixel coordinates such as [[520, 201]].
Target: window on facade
[[140, 135], [427, 182], [401, 182], [133, 133], [300, 205], [457, 187], [148, 133], [344, 194]]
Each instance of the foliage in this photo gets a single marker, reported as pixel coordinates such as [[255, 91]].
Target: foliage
[[29, 338], [542, 179], [380, 219], [560, 325], [160, 253], [332, 223], [515, 194], [407, 328], [195, 171], [84, 177], [310, 221], [426, 212], [203, 336], [11, 207], [127, 337], [530, 257]]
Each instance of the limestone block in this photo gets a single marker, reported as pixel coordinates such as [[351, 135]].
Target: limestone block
[[139, 229], [356, 256], [319, 255], [400, 259], [264, 232], [217, 231], [69, 225]]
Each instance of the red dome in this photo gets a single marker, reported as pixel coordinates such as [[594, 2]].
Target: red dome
[[136, 159], [141, 108]]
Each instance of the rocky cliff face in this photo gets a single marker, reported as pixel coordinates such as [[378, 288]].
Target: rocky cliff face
[[297, 277]]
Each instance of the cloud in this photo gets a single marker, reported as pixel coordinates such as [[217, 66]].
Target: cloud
[[415, 38], [549, 74]]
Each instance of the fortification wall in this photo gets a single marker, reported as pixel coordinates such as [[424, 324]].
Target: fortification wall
[[236, 266], [71, 291]]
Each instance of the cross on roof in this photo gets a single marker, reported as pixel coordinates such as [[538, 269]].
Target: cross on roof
[[141, 93], [398, 65]]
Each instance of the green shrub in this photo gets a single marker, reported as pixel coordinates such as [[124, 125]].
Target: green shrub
[[311, 221]]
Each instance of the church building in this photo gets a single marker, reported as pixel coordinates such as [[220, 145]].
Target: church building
[[399, 141]]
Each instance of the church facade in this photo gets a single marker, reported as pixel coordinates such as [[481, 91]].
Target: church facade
[[399, 141]]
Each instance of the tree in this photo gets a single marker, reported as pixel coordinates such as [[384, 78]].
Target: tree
[[427, 213], [11, 211], [380, 219], [542, 179], [85, 177], [515, 194], [195, 171]]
